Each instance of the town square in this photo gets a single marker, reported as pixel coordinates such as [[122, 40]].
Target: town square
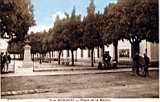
[[79, 49]]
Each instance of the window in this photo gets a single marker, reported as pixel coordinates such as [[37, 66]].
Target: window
[[123, 52]]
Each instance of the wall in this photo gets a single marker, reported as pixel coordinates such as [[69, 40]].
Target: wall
[[152, 51]]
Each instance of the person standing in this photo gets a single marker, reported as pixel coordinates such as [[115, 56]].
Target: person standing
[[9, 58], [2, 64], [109, 60], [146, 63]]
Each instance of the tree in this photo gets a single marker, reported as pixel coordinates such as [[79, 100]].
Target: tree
[[16, 48], [73, 33], [40, 43], [91, 36], [16, 16], [140, 20], [58, 36], [113, 28]]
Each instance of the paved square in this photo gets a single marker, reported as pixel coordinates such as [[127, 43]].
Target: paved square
[[107, 85]]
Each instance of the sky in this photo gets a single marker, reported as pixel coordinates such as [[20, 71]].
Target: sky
[[45, 11]]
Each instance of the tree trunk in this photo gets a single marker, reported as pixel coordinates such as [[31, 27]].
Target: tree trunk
[[72, 52], [135, 48], [94, 57], [102, 53], [40, 58], [115, 44], [53, 56], [76, 56], [59, 57], [33, 57], [92, 62], [67, 53], [21, 56], [50, 56], [98, 52]]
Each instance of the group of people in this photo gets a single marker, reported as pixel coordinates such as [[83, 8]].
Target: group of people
[[5, 60], [107, 59], [141, 63]]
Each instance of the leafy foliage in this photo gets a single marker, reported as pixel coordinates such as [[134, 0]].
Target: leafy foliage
[[134, 20], [16, 16]]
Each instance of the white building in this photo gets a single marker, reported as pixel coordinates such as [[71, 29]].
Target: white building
[[3, 45], [124, 52]]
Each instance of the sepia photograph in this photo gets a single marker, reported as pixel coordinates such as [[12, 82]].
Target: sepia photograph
[[79, 49]]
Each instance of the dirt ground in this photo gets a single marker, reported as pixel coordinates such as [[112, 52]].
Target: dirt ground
[[109, 85]]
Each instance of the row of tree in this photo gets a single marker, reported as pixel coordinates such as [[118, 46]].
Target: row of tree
[[134, 20]]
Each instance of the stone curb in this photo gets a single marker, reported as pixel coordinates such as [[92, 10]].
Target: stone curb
[[74, 73], [67, 69], [10, 93], [72, 69]]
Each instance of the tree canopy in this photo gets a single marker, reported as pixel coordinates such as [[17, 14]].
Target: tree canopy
[[140, 19], [133, 20], [16, 16]]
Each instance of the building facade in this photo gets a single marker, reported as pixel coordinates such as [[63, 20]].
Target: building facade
[[124, 52], [3, 45]]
